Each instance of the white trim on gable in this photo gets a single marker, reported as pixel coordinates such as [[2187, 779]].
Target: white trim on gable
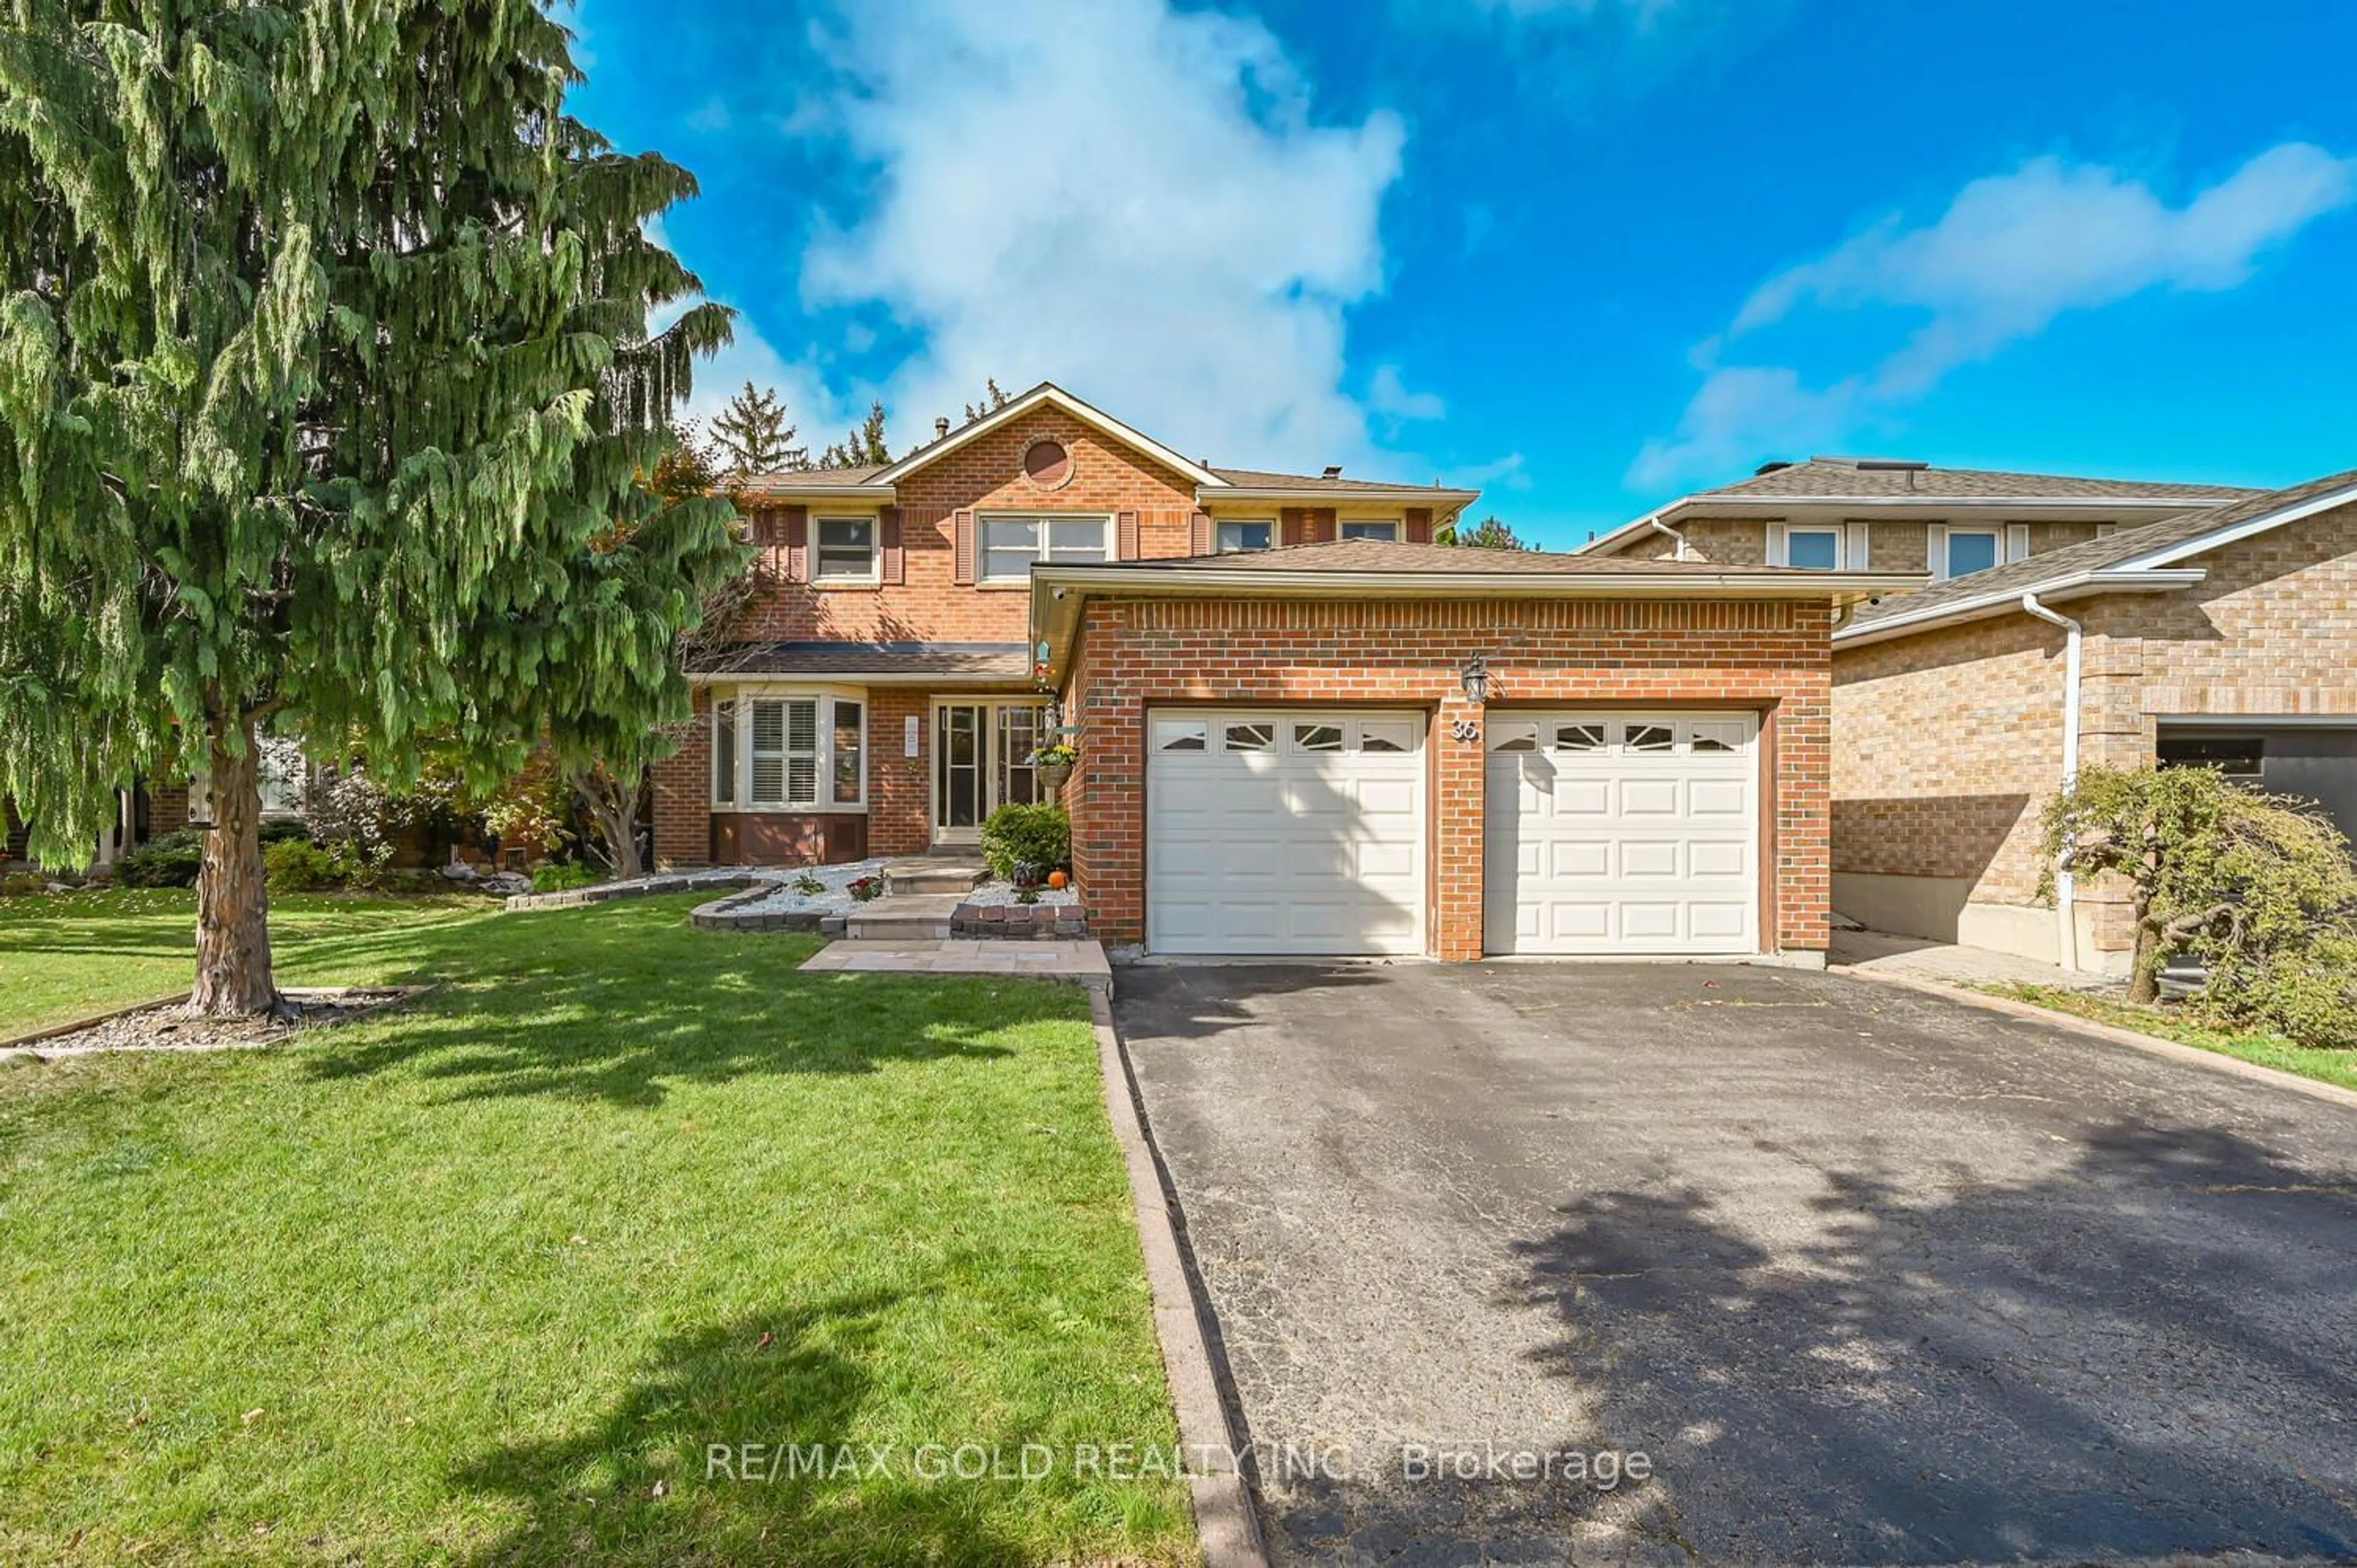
[[1040, 396], [2169, 555]]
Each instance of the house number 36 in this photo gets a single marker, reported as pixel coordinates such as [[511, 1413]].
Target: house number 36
[[1466, 730]]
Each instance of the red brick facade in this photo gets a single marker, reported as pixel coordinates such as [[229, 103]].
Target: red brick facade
[[1772, 657]]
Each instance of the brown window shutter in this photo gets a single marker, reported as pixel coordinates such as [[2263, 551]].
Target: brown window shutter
[[797, 543], [1322, 530], [963, 544], [1292, 525], [895, 557], [1124, 536], [1419, 525], [1198, 533]]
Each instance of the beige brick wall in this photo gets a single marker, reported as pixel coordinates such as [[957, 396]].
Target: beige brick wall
[[1945, 747], [1892, 544]]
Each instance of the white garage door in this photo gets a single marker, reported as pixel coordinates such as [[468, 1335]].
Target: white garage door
[[1621, 833], [1285, 832]]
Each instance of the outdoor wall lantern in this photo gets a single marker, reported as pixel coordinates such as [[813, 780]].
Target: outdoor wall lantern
[[1475, 677]]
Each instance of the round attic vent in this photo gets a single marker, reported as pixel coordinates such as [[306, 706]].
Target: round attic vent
[[1047, 463]]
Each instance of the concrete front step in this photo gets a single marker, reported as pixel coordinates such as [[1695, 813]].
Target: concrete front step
[[931, 874], [903, 917]]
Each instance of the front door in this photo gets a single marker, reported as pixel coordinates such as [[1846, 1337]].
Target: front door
[[982, 761]]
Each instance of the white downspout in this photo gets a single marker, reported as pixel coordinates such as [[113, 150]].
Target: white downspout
[[1655, 522], [2064, 890]]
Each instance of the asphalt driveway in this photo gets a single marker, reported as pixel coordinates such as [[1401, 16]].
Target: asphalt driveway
[[1864, 1275]]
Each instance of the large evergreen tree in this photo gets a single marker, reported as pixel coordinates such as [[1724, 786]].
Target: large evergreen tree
[[324, 380]]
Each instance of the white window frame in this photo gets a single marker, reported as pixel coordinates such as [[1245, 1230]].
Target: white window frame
[[822, 801], [1220, 526], [1942, 533], [1397, 527], [868, 575], [1044, 550], [1781, 544]]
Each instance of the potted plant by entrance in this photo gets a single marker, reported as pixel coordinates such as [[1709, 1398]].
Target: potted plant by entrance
[[1053, 764]]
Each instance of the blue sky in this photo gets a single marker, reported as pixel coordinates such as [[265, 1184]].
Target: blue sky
[[1587, 254]]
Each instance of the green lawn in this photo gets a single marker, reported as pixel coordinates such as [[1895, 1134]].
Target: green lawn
[[484, 1278], [2266, 1051], [62, 959]]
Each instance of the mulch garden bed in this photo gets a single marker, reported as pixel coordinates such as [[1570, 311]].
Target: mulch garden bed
[[170, 1026]]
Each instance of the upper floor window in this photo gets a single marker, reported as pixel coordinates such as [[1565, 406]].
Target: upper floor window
[[1813, 549], [1010, 545], [847, 550], [1387, 529], [1246, 533], [1970, 550]]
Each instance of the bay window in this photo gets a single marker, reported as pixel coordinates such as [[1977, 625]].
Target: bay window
[[801, 751]]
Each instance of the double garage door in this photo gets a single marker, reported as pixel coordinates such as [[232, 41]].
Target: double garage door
[[1300, 832]]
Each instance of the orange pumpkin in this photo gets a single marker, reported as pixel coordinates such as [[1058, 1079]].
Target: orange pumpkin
[[1056, 879]]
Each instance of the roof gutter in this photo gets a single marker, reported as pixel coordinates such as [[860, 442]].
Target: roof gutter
[[1404, 494], [2065, 888], [2004, 601], [790, 495]]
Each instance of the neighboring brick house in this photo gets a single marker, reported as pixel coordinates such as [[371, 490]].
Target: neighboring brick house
[[1268, 680], [2225, 636], [1893, 515]]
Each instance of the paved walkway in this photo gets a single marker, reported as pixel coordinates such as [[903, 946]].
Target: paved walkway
[[1075, 963], [1918, 957]]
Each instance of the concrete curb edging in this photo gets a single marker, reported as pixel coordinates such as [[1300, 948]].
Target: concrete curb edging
[[77, 1026], [2151, 1044], [1225, 1524]]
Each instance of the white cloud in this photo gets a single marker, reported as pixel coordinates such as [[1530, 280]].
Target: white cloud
[[1131, 202], [2012, 253], [1389, 396]]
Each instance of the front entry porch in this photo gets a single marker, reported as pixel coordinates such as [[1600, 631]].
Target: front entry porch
[[982, 761]]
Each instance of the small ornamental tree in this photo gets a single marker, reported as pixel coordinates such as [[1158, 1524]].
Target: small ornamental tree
[[324, 377], [2259, 889]]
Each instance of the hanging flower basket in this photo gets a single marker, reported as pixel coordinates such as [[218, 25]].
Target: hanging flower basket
[[1053, 764]]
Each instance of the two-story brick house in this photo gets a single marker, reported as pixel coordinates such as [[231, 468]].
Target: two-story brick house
[[1303, 727], [882, 698]]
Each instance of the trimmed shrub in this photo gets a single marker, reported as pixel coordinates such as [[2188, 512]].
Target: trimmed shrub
[[1040, 834], [298, 865], [562, 875], [168, 860]]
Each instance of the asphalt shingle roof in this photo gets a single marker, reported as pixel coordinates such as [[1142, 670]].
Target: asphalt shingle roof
[[1824, 476], [1384, 555], [2054, 565], [952, 660]]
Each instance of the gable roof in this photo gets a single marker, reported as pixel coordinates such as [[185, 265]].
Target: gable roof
[[879, 480], [1046, 394], [1868, 479], [2134, 560]]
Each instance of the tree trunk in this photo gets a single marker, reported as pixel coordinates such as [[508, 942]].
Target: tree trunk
[[232, 906], [2144, 972], [613, 820]]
